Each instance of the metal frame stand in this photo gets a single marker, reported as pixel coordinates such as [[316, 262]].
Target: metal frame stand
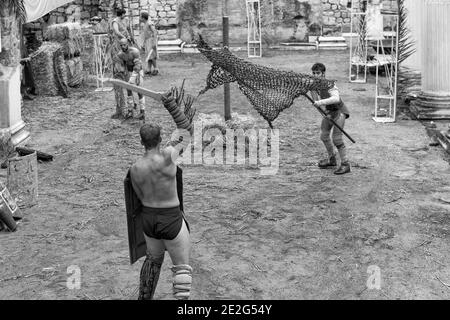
[[386, 86], [254, 44], [101, 60], [358, 53]]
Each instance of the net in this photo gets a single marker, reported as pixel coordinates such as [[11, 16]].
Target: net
[[269, 90]]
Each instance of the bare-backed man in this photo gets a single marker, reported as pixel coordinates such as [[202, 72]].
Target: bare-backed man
[[154, 180]]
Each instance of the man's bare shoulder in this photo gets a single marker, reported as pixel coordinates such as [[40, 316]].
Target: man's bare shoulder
[[134, 52], [122, 55], [137, 168], [168, 152]]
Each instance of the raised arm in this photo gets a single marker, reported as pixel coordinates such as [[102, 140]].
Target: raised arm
[[115, 26], [333, 99], [181, 138]]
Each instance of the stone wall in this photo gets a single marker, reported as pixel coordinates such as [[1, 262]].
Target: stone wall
[[282, 20], [76, 11], [335, 13]]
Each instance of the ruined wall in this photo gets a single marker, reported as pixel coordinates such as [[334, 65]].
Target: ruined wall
[[282, 20]]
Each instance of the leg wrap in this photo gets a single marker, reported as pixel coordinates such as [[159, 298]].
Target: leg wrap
[[149, 277], [142, 103], [342, 152], [182, 281], [328, 145], [325, 136]]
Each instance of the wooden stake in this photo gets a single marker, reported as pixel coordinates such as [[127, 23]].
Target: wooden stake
[[226, 43]]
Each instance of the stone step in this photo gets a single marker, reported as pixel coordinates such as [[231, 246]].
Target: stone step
[[444, 139], [170, 46], [331, 39], [298, 44], [169, 43], [331, 45]]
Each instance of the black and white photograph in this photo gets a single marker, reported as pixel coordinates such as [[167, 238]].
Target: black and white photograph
[[241, 151]]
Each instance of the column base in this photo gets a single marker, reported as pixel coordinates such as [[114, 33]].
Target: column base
[[430, 107], [444, 139], [19, 135]]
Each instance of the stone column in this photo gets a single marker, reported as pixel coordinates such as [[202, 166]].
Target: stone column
[[415, 7], [10, 105], [434, 99], [10, 71]]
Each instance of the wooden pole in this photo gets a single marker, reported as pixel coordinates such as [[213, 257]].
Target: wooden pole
[[226, 43]]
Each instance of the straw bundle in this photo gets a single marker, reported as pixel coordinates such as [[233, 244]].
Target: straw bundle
[[71, 48], [47, 63], [74, 70], [68, 35], [63, 31]]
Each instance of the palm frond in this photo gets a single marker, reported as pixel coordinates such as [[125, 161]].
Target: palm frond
[[15, 7], [406, 44], [406, 47]]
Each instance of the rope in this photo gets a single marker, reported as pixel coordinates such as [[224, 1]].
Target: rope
[[269, 90]]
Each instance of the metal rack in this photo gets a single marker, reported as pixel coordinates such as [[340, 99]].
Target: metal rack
[[384, 60], [386, 86], [254, 44], [358, 52], [101, 41]]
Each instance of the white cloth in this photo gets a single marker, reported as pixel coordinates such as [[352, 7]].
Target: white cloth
[[38, 8], [333, 99]]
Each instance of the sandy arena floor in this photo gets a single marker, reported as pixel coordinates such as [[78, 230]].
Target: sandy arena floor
[[303, 233]]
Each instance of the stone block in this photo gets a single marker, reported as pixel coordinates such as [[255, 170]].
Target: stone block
[[329, 20], [172, 21], [162, 14], [85, 15], [60, 19]]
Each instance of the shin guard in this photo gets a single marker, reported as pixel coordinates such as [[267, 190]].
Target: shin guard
[[182, 281], [149, 277]]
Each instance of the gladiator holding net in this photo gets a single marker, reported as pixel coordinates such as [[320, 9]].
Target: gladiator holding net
[[270, 91]]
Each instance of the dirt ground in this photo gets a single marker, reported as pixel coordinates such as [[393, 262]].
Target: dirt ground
[[303, 233]]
